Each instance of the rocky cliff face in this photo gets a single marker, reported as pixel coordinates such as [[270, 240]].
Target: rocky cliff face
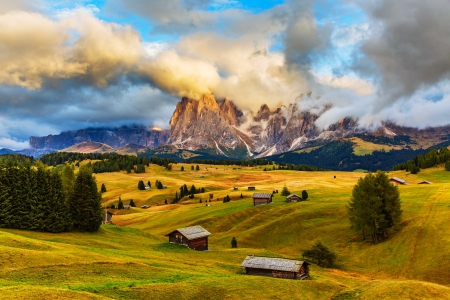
[[204, 124], [115, 138]]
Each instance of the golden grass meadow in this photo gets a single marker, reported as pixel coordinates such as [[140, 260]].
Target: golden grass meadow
[[133, 259]]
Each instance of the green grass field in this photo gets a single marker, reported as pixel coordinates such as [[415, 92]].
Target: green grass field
[[133, 260]]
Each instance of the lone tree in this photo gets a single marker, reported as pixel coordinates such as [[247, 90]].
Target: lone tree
[[320, 255], [141, 185], [182, 168], [132, 203], [120, 205], [84, 202], [304, 195], [375, 206], [197, 168], [233, 242], [285, 191], [103, 188]]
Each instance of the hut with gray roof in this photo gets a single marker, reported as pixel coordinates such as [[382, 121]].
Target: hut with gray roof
[[194, 237], [398, 181], [262, 198], [276, 267]]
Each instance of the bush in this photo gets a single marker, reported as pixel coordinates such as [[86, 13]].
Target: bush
[[141, 185], [285, 191], [320, 255]]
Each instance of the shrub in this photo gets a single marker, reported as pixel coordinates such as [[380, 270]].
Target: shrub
[[320, 255]]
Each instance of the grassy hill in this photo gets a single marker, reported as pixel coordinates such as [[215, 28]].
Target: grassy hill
[[132, 259]]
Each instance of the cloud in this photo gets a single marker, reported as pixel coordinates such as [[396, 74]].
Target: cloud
[[36, 49], [408, 48]]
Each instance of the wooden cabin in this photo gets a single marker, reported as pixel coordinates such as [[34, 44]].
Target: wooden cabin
[[194, 237], [107, 218], [397, 181], [276, 267], [261, 198], [235, 188], [251, 188], [425, 182], [293, 198]]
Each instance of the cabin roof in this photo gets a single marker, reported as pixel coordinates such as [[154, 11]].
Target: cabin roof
[[425, 181], [262, 195], [271, 263], [399, 180], [293, 195], [193, 232]]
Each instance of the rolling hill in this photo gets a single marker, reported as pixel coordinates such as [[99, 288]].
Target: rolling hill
[[132, 259]]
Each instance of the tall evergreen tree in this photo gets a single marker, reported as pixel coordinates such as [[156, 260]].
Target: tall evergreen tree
[[141, 185], [132, 203], [103, 188], [375, 205], [84, 203], [120, 205]]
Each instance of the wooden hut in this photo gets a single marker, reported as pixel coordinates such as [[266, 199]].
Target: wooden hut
[[194, 237], [107, 218], [398, 181], [425, 182], [251, 188], [293, 198], [276, 267], [262, 198]]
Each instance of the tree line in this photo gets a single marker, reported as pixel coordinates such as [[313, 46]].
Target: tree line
[[184, 191], [427, 160], [33, 198]]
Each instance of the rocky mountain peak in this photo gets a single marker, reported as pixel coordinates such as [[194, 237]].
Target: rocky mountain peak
[[263, 113], [232, 115]]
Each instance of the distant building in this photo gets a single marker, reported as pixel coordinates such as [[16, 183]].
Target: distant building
[[147, 187], [235, 188], [194, 237], [261, 198], [251, 188], [276, 267], [126, 207], [398, 181], [107, 218], [293, 198], [144, 206], [425, 182]]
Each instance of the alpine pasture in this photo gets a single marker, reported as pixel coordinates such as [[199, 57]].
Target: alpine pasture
[[133, 259]]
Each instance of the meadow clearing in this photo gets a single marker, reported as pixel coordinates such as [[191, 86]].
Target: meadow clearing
[[133, 259]]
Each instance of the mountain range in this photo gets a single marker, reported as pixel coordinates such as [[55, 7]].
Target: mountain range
[[220, 128]]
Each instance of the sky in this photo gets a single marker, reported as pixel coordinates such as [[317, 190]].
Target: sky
[[69, 65]]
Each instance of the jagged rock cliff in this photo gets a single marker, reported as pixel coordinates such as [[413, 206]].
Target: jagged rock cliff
[[204, 124], [115, 138]]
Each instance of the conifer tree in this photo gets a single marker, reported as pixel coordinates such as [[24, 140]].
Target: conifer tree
[[141, 185], [149, 184], [192, 168], [304, 195], [132, 203], [120, 205], [84, 203], [103, 188], [233, 242], [68, 180], [197, 168], [182, 168]]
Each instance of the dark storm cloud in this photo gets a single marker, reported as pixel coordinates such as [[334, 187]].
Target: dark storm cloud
[[409, 46]]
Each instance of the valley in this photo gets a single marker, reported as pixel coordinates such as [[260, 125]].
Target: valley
[[133, 259]]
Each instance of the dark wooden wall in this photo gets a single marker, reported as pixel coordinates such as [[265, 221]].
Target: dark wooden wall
[[200, 244], [260, 201], [265, 272], [178, 238]]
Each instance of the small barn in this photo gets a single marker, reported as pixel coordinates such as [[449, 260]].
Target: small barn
[[425, 182], [262, 198], [235, 188], [126, 206], [276, 267], [251, 188], [398, 181], [107, 217], [293, 198], [194, 237]]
